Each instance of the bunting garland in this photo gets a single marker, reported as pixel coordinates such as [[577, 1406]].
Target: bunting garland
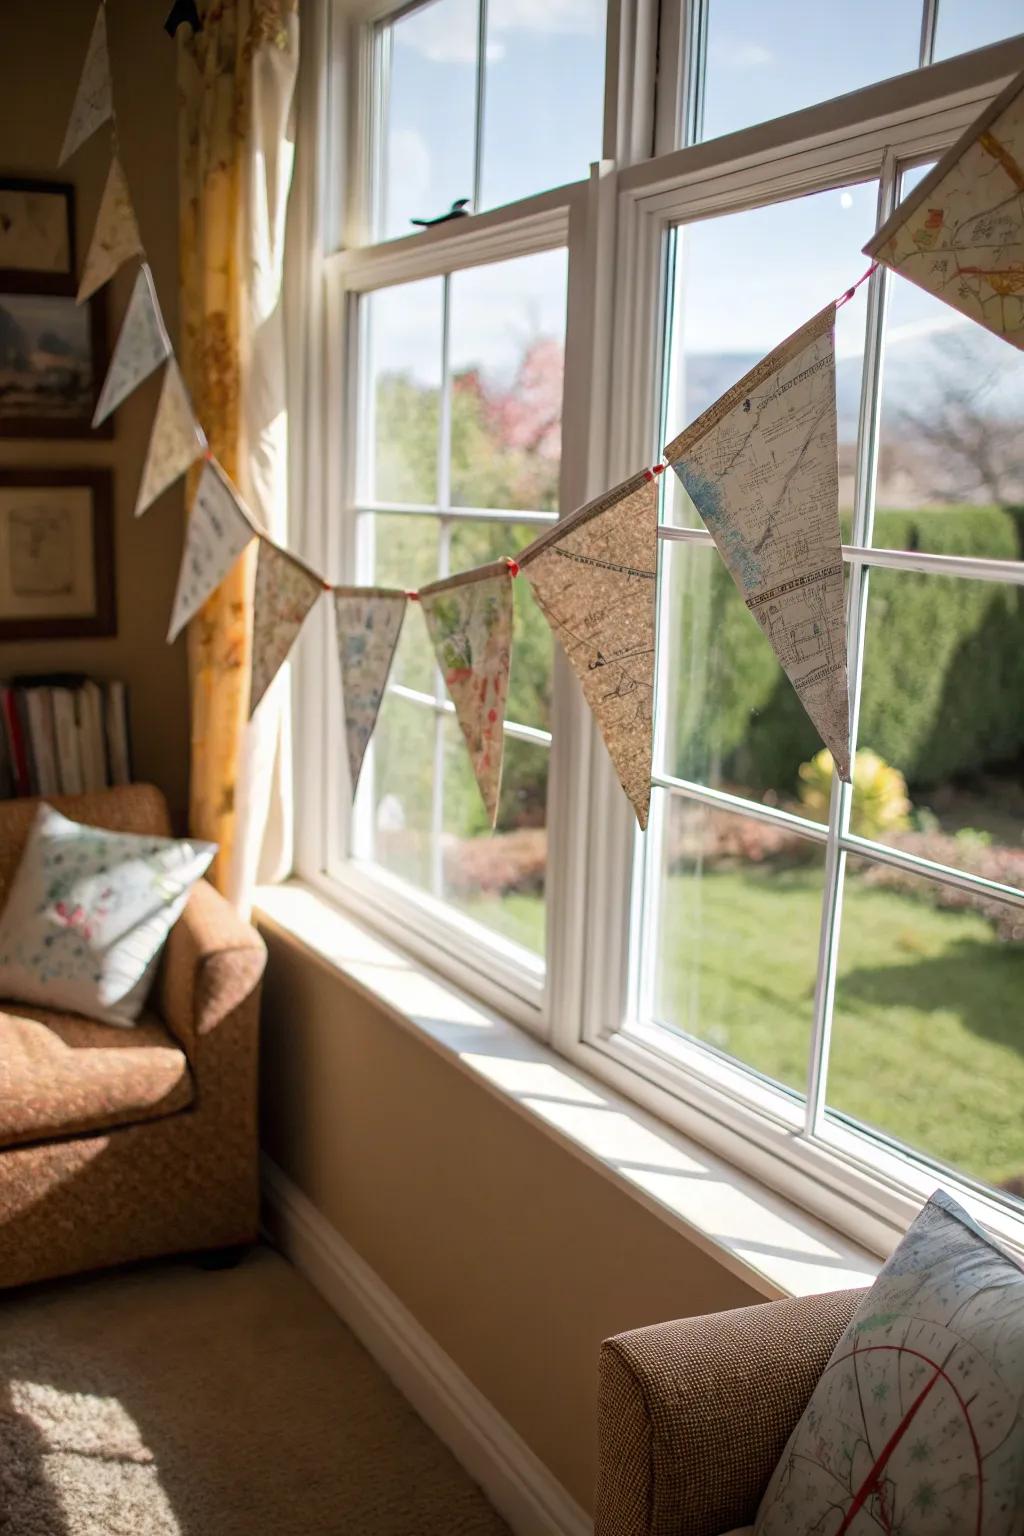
[[760, 468]]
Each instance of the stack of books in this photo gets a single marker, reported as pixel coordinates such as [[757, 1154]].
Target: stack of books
[[63, 734]]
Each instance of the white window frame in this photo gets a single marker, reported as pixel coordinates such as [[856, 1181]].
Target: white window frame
[[615, 227]]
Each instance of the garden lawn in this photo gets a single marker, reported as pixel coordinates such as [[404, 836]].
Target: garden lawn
[[928, 1032]]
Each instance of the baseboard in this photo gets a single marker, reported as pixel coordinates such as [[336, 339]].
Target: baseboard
[[515, 1480]]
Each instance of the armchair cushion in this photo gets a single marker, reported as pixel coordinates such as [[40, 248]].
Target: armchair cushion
[[62, 1075]]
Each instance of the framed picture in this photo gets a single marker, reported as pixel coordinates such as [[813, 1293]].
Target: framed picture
[[37, 235], [56, 554], [53, 360]]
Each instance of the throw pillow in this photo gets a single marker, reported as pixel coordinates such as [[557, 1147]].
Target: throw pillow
[[917, 1423], [88, 913]]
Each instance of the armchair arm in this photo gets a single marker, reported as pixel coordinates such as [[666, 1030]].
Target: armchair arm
[[694, 1415], [212, 964]]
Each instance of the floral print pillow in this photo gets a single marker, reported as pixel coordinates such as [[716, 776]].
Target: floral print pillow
[[88, 913], [916, 1427]]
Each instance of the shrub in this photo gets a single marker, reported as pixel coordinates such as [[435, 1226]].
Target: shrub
[[880, 804]]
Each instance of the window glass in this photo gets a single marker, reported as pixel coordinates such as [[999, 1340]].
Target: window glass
[[766, 60], [740, 911], [405, 555], [926, 1041], [402, 391], [429, 89], [401, 792], [965, 24]]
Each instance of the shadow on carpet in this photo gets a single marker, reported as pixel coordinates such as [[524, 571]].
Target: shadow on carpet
[[172, 1401]]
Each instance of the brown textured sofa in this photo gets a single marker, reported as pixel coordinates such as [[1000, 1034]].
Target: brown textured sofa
[[122, 1144], [694, 1415]]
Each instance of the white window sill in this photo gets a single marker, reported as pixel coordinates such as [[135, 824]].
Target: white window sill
[[765, 1240]]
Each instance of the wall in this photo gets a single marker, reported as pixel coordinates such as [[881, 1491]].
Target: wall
[[516, 1256], [43, 45]]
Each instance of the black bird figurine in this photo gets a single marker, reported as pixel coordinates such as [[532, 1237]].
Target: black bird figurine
[[458, 210], [183, 10]]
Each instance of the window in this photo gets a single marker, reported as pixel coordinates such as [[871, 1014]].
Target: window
[[822, 982], [485, 101]]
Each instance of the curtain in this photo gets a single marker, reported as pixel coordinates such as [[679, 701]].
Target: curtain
[[236, 86]]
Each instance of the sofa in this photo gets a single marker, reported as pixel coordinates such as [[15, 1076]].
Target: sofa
[[119, 1144], [693, 1416]]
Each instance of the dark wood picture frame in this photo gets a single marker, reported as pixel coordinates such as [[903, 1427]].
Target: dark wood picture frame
[[34, 280], [102, 623]]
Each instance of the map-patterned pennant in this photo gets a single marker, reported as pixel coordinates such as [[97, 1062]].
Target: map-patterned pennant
[[761, 468], [285, 592], [595, 579], [960, 233], [175, 442], [218, 531], [469, 619], [116, 236], [368, 623], [94, 103], [141, 347]]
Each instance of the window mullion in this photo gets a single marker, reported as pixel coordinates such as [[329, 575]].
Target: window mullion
[[856, 611], [929, 18], [444, 565], [481, 103]]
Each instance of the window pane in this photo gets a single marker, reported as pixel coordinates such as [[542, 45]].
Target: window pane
[[941, 714], [766, 60], [965, 24], [951, 457], [497, 877], [733, 719], [544, 95], [738, 941], [507, 355], [529, 695], [402, 384], [926, 1041], [403, 763], [429, 114], [405, 556], [730, 310]]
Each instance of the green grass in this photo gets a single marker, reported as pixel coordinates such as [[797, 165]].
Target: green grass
[[928, 1033]]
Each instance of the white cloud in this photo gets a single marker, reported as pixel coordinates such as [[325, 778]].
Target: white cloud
[[446, 33], [743, 57]]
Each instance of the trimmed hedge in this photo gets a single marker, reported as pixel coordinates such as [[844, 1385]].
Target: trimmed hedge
[[943, 673]]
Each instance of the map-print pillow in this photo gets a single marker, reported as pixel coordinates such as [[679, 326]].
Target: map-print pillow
[[88, 913], [917, 1424]]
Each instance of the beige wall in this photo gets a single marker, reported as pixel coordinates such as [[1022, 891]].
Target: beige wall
[[42, 44], [515, 1255]]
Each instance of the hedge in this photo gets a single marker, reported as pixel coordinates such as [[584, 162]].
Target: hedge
[[943, 672]]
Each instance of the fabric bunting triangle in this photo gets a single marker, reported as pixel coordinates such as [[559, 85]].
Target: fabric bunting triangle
[[761, 468], [94, 104], [142, 346], [116, 236], [285, 592], [960, 233], [469, 619], [595, 579], [218, 531], [368, 623], [175, 442]]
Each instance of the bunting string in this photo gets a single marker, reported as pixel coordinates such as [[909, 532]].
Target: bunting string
[[759, 467]]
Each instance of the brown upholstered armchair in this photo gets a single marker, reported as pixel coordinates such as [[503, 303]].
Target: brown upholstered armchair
[[123, 1144], [694, 1415]]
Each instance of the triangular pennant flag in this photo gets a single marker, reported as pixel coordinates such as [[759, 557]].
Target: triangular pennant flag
[[960, 233], [285, 592], [469, 618], [367, 622], [116, 236], [218, 531], [595, 579], [761, 468], [94, 103], [175, 442], [142, 346]]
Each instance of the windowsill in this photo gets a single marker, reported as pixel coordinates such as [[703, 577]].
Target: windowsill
[[765, 1240]]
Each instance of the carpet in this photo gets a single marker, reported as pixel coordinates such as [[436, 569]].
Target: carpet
[[172, 1401]]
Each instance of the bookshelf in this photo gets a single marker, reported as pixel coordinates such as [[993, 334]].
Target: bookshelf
[[63, 734]]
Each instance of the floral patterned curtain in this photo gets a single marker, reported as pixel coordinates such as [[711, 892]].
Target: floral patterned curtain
[[236, 84]]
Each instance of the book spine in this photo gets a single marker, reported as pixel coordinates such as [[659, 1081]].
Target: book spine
[[15, 743], [68, 756]]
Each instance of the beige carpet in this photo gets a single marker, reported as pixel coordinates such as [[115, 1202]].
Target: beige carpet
[[172, 1401]]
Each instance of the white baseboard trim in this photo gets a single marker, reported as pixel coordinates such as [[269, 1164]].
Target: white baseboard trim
[[515, 1480]]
